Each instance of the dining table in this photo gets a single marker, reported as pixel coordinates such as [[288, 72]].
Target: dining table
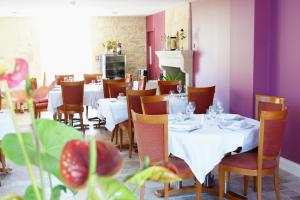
[[115, 111], [92, 93]]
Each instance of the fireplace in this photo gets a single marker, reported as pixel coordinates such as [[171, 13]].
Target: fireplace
[[177, 59]]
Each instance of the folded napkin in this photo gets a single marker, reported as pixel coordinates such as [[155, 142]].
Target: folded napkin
[[235, 125], [184, 127], [233, 117]]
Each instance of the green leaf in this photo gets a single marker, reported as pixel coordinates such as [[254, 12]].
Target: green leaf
[[115, 190], [54, 135], [29, 193], [154, 173], [11, 197], [11, 148], [56, 191]]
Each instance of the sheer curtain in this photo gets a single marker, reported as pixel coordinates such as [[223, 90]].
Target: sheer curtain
[[65, 46]]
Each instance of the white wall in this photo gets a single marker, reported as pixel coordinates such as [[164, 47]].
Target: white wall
[[211, 43]]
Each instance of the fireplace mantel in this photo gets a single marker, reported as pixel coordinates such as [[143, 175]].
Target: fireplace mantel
[[178, 59]]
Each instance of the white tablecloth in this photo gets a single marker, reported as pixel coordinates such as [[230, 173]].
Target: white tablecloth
[[6, 123], [92, 93], [115, 111], [204, 148]]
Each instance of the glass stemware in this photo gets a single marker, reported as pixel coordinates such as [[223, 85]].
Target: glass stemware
[[179, 88], [98, 78], [190, 109]]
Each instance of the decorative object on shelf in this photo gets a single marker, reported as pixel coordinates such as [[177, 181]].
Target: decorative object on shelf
[[119, 49], [168, 43], [173, 43], [182, 36], [110, 46], [113, 66]]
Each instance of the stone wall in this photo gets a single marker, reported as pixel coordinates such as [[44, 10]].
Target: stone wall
[[130, 31]]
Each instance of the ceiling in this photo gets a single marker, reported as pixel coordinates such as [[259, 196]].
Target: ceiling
[[84, 7]]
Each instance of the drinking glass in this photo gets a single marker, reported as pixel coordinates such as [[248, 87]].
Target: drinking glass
[[120, 96], [179, 88], [190, 109], [171, 93], [98, 78], [70, 78], [66, 79], [93, 82]]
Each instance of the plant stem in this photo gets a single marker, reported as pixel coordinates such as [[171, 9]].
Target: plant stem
[[37, 144], [21, 142], [92, 168]]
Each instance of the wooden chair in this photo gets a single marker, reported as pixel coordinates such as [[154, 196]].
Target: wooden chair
[[133, 103], [262, 163], [142, 83], [88, 78], [151, 134], [61, 78], [116, 88], [72, 95], [165, 86], [155, 105], [203, 98], [268, 103], [106, 82], [40, 105]]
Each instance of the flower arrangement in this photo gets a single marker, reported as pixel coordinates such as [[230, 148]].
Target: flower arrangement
[[110, 45], [182, 36], [61, 151]]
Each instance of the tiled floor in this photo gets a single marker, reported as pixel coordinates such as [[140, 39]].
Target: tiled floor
[[18, 180]]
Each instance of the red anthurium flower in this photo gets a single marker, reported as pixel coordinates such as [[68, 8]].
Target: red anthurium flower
[[74, 162], [169, 166], [18, 75]]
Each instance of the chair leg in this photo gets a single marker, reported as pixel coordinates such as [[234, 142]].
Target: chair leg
[[246, 183], [113, 135], [87, 111], [221, 183], [65, 118], [130, 143], [2, 160], [254, 184], [198, 190], [166, 190], [142, 192], [121, 139], [276, 183], [81, 123], [259, 187], [117, 135]]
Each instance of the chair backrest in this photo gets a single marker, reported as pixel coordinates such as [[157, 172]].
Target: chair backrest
[[116, 88], [272, 128], [106, 82], [88, 78], [203, 98], [72, 94], [61, 78], [166, 86], [134, 102], [151, 132], [155, 105], [142, 82], [268, 103], [34, 84]]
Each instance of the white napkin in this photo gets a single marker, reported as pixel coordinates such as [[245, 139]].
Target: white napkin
[[233, 117], [184, 127], [235, 125]]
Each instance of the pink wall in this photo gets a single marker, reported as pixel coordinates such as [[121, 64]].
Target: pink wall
[[242, 57], [156, 23], [211, 39], [285, 68]]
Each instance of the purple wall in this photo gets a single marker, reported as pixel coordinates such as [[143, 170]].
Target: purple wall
[[285, 68], [241, 57]]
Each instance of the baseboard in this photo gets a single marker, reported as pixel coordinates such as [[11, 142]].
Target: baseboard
[[290, 166]]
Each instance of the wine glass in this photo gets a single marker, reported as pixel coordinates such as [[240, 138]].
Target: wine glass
[[120, 96], [190, 109], [70, 78], [98, 78], [179, 88], [171, 93], [66, 79], [93, 82]]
